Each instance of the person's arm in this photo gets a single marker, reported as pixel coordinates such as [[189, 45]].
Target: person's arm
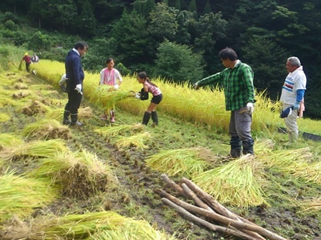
[[75, 68], [209, 80], [144, 93], [248, 78], [102, 75], [119, 77]]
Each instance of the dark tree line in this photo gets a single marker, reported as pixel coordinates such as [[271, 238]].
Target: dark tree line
[[178, 39]]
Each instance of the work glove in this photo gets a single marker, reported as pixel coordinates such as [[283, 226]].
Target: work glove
[[195, 86], [137, 95], [78, 88], [250, 107], [296, 106]]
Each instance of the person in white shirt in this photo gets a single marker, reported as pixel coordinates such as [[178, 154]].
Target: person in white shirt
[[292, 95], [112, 77]]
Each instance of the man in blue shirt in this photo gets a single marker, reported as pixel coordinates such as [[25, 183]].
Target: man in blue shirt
[[75, 75]]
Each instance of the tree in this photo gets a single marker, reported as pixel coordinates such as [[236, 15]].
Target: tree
[[177, 63], [186, 27], [267, 60], [163, 22], [192, 7], [144, 7], [132, 41]]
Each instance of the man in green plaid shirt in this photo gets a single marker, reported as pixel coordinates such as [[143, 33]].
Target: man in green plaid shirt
[[237, 80]]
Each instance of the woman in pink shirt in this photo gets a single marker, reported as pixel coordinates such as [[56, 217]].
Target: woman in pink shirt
[[149, 87], [110, 76]]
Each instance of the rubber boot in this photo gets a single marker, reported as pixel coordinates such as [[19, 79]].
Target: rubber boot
[[66, 120], [74, 122], [112, 116], [154, 118], [248, 147], [146, 118], [236, 147]]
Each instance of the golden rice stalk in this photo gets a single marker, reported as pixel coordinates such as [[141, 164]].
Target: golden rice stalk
[[19, 85], [20, 196], [186, 162], [89, 226], [288, 159], [38, 149], [46, 129], [311, 205], [6, 99], [34, 107], [117, 130], [309, 171], [78, 175], [137, 141], [21, 94], [264, 146], [8, 140], [106, 97], [4, 117], [236, 183], [56, 114], [85, 112]]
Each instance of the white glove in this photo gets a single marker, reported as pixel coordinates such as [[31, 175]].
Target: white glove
[[250, 107], [78, 88], [116, 87], [195, 86], [137, 95]]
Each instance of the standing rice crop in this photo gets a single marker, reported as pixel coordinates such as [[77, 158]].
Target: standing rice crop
[[237, 182], [184, 162]]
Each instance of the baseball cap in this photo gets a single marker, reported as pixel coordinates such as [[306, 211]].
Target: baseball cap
[[286, 112]]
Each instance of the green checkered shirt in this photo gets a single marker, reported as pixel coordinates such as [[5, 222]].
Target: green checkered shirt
[[237, 83]]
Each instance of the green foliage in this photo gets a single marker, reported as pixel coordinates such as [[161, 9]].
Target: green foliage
[[129, 29], [163, 22], [209, 29], [265, 57], [10, 25], [39, 41], [178, 63]]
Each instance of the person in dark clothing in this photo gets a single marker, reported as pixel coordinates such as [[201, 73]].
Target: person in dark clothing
[[27, 59], [74, 88]]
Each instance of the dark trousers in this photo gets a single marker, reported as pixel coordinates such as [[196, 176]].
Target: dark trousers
[[28, 67], [240, 131], [74, 100]]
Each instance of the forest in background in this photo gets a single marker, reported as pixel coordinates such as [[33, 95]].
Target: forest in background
[[178, 40]]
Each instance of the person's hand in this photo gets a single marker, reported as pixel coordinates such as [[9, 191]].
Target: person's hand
[[78, 88], [250, 107], [296, 106], [195, 86], [137, 95]]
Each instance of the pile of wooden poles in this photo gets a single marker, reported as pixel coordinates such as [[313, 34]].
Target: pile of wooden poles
[[210, 213]]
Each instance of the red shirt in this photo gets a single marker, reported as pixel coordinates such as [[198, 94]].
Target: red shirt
[[27, 59]]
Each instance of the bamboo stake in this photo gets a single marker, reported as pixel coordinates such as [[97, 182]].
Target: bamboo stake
[[210, 226], [213, 203], [201, 204], [223, 219], [172, 184]]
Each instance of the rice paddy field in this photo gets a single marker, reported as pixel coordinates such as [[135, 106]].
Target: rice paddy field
[[99, 181]]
